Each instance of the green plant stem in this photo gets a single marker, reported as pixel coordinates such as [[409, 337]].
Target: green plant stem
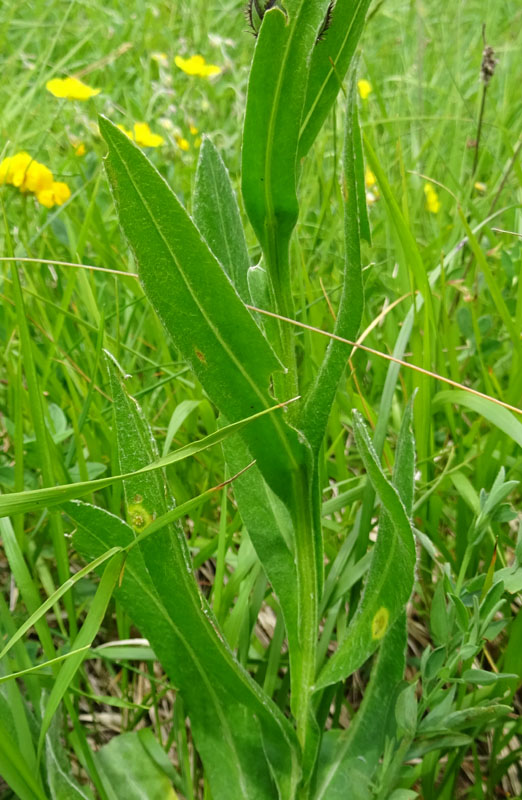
[[278, 267], [307, 589]]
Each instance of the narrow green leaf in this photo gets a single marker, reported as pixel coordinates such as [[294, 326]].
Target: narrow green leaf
[[362, 744], [216, 214], [45, 606], [270, 529], [391, 574], [408, 243], [16, 771], [85, 637], [330, 62], [492, 284], [320, 397], [503, 419]]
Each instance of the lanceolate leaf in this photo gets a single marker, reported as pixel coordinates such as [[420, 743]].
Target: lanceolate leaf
[[322, 393], [276, 94], [361, 745], [198, 305], [216, 214], [330, 62], [390, 578], [234, 722]]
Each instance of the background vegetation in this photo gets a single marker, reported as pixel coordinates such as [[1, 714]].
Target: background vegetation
[[421, 125]]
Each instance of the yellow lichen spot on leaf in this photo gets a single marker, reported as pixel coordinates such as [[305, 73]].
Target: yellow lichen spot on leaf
[[138, 516], [380, 623]]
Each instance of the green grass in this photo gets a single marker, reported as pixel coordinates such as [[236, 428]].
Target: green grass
[[453, 738]]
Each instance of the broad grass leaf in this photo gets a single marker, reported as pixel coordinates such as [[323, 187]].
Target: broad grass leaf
[[330, 62], [198, 305], [216, 213], [275, 101], [127, 766], [503, 419], [391, 574]]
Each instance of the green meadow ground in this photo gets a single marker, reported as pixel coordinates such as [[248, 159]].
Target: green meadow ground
[[422, 60]]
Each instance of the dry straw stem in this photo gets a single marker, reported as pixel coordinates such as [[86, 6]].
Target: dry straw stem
[[357, 345]]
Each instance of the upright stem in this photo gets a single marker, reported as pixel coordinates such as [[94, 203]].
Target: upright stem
[[307, 589], [278, 268], [286, 385]]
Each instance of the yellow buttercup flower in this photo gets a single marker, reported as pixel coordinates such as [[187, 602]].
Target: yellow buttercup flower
[[365, 88], [369, 178], [182, 143], [143, 135], [196, 65], [71, 89], [29, 175], [79, 150], [372, 190], [432, 199], [193, 130], [126, 131]]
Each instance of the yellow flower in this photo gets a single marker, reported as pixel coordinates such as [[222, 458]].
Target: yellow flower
[[55, 196], [196, 65], [480, 187], [25, 173], [71, 89], [369, 178], [365, 88], [182, 143], [144, 136], [125, 131], [28, 175], [79, 150], [432, 199], [193, 130]]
